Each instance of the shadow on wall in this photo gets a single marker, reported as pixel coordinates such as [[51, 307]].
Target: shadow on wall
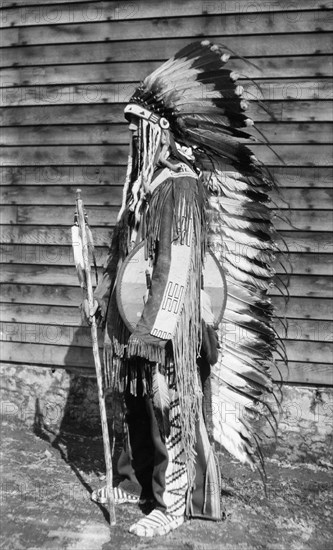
[[76, 433]]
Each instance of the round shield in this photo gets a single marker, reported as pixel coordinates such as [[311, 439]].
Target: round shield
[[133, 286]]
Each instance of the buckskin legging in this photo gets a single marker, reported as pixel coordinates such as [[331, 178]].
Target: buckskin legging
[[159, 466]]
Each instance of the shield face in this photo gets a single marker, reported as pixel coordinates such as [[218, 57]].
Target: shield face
[[133, 283]]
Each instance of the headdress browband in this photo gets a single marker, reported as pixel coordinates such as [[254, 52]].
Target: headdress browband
[[139, 111]]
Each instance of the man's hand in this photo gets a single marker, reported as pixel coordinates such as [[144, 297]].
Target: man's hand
[[88, 312]]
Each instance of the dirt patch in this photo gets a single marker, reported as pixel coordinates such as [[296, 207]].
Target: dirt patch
[[46, 481]]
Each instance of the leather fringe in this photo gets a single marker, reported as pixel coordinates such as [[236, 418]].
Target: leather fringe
[[187, 339], [151, 352]]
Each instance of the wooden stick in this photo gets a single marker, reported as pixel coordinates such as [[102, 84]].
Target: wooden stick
[[98, 367]]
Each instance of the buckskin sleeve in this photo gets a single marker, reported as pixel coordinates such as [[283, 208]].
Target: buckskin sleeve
[[105, 285]]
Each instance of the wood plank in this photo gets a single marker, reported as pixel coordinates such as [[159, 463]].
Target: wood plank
[[298, 89], [302, 43], [68, 314], [39, 313], [313, 242], [75, 356], [66, 336], [268, 67], [286, 176], [62, 115], [301, 198], [299, 220], [110, 154], [83, 134], [77, 74], [299, 285], [193, 7], [267, 90], [282, 111], [102, 195], [308, 352], [77, 175], [68, 114], [293, 329], [304, 308], [46, 334], [305, 220], [54, 14], [282, 133], [25, 3], [297, 241], [188, 7], [47, 355], [63, 335], [102, 49], [47, 235], [303, 176], [270, 91], [295, 198], [34, 94], [59, 194], [300, 372], [305, 263], [39, 275], [308, 330], [296, 263], [56, 215], [33, 87], [307, 286], [69, 135], [236, 22], [49, 328], [47, 255], [295, 155]]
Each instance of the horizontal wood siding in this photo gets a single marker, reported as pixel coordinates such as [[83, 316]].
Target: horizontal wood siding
[[68, 69]]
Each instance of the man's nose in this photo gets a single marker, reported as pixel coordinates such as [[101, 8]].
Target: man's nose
[[133, 127]]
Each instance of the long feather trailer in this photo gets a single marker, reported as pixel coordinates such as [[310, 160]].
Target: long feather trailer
[[82, 240]]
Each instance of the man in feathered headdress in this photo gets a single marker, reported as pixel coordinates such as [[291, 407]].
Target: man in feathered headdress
[[192, 188]]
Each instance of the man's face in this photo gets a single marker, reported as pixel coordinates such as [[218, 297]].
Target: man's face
[[134, 130], [134, 126]]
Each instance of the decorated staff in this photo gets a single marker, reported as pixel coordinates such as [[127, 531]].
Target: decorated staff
[[82, 243]]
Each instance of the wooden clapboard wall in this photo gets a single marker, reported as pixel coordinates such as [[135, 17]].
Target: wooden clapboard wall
[[68, 68]]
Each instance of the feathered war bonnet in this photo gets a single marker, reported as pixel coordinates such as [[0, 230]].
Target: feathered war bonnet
[[198, 99]]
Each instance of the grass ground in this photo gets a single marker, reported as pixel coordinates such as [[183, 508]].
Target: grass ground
[[46, 481]]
